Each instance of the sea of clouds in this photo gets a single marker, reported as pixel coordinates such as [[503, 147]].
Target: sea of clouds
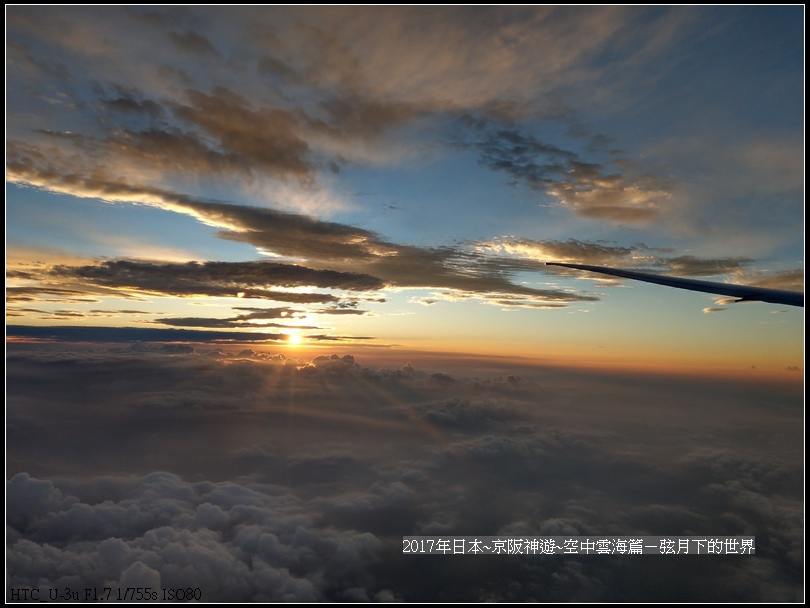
[[259, 477]]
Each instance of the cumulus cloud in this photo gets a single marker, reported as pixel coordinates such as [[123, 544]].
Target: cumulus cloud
[[313, 470]]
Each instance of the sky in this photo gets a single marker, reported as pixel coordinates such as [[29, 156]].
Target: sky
[[276, 296]]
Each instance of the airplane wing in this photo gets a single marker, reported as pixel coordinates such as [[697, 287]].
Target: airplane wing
[[743, 292]]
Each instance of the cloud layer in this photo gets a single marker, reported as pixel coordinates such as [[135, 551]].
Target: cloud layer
[[257, 477], [245, 120]]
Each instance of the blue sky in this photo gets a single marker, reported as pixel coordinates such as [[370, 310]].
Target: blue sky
[[445, 152]]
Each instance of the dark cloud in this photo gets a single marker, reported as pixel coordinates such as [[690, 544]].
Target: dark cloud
[[201, 278], [216, 130], [593, 190], [264, 138], [121, 312], [219, 131], [270, 556], [192, 42], [353, 116], [14, 311], [274, 67], [238, 322], [179, 460], [530, 254], [244, 320], [467, 414], [133, 279], [217, 134], [139, 334], [132, 102], [516, 154], [19, 57], [133, 334], [792, 280], [343, 248], [182, 152], [53, 294], [323, 244], [690, 266], [346, 247], [255, 476], [340, 311]]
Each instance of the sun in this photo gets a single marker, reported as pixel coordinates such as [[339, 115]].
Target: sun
[[294, 339]]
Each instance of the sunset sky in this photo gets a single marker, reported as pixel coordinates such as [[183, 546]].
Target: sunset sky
[[277, 296], [398, 177]]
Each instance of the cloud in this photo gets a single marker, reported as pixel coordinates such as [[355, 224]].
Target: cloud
[[572, 250], [702, 267], [326, 90], [192, 42], [54, 294], [340, 86], [614, 198], [192, 277], [324, 244], [501, 300], [134, 334], [312, 471], [167, 534], [331, 246], [465, 54], [255, 318], [638, 256], [343, 246], [241, 321], [463, 413], [592, 190], [261, 139], [260, 280], [791, 280]]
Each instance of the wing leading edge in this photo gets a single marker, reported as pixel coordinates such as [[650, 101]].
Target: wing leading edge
[[742, 292]]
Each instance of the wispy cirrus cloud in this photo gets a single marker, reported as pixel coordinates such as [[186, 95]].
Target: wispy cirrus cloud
[[617, 191], [792, 280], [323, 99], [191, 276], [136, 279], [322, 244], [639, 256]]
